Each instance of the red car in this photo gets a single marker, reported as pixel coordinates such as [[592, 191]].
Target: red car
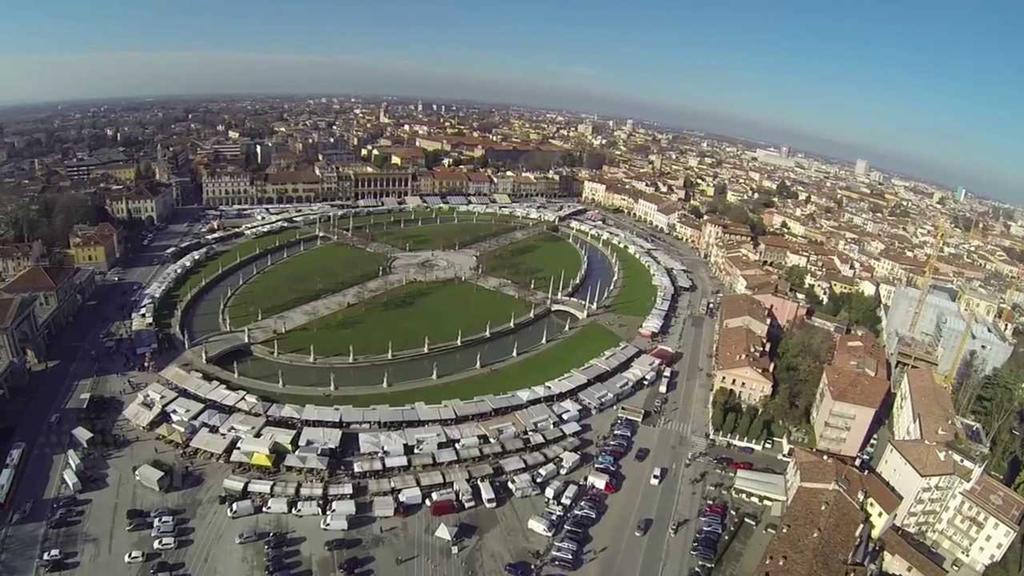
[[443, 508], [741, 466]]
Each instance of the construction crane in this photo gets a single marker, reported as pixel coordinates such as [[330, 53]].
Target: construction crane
[[926, 280], [961, 349]]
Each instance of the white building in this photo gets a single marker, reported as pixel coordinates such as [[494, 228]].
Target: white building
[[948, 501], [861, 168]]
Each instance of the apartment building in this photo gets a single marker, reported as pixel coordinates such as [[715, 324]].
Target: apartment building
[[853, 388], [949, 501], [153, 205], [228, 186], [96, 247], [742, 364], [58, 291], [15, 258]]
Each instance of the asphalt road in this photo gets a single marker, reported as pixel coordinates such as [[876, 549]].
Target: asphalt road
[[670, 436], [69, 360]]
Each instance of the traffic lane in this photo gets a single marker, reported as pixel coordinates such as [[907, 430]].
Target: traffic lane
[[36, 480], [656, 542], [614, 543]]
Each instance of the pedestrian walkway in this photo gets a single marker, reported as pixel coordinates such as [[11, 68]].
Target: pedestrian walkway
[[666, 423]]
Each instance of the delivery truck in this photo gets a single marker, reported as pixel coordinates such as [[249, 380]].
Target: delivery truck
[[569, 462]]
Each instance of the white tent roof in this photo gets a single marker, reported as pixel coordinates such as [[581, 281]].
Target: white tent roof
[[446, 532]]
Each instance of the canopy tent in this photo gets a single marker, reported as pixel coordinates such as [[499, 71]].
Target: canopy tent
[[82, 436], [307, 461], [446, 532], [211, 442], [172, 433], [260, 459]]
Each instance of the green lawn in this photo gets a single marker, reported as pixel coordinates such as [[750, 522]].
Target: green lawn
[[404, 316], [553, 361], [246, 248], [636, 293], [536, 258], [303, 278], [442, 236]]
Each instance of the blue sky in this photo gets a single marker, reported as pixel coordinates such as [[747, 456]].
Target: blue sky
[[932, 88]]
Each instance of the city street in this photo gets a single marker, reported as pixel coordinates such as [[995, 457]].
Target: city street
[[69, 361], [670, 436]]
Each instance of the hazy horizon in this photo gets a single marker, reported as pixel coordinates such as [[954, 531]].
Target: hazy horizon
[[930, 92]]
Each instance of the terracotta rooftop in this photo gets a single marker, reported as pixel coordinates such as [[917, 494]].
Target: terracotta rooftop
[[740, 305], [816, 536], [825, 469], [39, 279], [739, 346], [895, 543], [932, 406], [998, 500]]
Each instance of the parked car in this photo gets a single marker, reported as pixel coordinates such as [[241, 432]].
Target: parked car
[[168, 543], [246, 536], [158, 512], [741, 465], [162, 531], [133, 513], [135, 557]]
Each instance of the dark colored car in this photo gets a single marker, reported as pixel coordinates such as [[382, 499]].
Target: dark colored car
[[158, 512], [518, 569], [274, 542], [334, 544], [133, 513], [160, 566], [641, 454], [741, 465], [642, 527], [349, 565]]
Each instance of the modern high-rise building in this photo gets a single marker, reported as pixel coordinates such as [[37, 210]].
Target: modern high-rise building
[[861, 168], [961, 193], [383, 112]]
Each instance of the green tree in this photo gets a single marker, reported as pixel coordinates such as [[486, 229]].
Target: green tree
[[721, 188], [743, 427], [796, 276], [784, 190], [695, 211], [855, 308], [381, 161], [758, 428], [432, 158], [717, 416], [730, 423], [801, 359]]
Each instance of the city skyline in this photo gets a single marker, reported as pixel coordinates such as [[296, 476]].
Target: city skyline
[[923, 92]]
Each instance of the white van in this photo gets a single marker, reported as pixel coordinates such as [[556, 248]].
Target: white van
[[545, 473], [554, 491], [276, 506], [487, 493], [569, 496], [307, 508], [540, 526], [241, 509], [570, 460], [334, 522], [443, 494], [342, 507]]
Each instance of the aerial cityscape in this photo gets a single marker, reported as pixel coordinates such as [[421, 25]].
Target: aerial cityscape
[[345, 322]]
